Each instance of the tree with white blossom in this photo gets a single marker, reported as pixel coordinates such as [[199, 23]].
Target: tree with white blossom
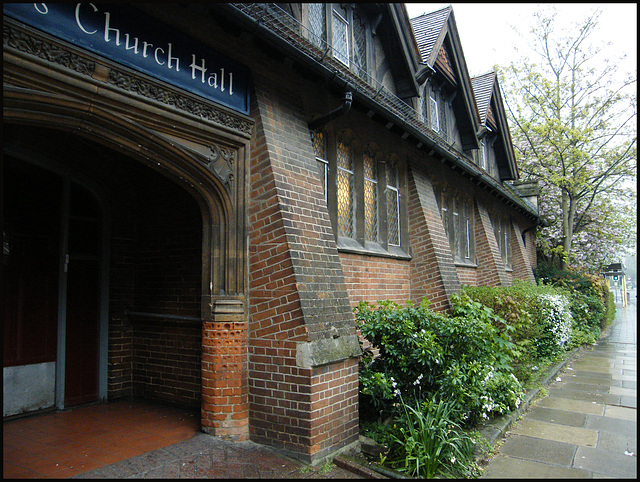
[[573, 122]]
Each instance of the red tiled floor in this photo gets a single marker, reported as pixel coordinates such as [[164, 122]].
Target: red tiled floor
[[63, 444]]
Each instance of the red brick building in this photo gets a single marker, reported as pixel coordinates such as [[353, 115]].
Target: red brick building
[[196, 197]]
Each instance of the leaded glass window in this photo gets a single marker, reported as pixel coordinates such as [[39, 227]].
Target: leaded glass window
[[345, 181], [433, 114], [501, 229], [360, 46], [483, 155], [456, 222], [340, 38], [370, 198], [319, 139], [466, 219], [393, 205], [317, 24], [442, 121]]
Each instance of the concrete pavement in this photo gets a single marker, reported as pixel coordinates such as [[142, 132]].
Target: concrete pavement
[[587, 426]]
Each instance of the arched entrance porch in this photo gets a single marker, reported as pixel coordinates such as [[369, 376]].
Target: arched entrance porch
[[169, 304]]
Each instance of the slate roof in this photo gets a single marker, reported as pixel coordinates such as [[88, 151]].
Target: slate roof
[[427, 29], [483, 90]]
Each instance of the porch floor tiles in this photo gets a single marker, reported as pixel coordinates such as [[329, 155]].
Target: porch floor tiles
[[64, 444]]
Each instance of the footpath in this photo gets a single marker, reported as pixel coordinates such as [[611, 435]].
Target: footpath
[[586, 427]]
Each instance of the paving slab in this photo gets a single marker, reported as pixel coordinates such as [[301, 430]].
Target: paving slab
[[575, 395], [625, 413], [557, 416], [539, 450], [617, 443], [556, 432], [504, 467], [601, 381], [606, 463], [608, 424], [580, 406], [570, 384], [631, 402], [627, 392]]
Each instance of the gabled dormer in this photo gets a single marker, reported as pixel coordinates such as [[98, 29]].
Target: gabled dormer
[[448, 105], [495, 155]]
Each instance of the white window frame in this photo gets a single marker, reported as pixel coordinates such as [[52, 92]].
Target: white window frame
[[483, 154], [339, 21], [434, 116]]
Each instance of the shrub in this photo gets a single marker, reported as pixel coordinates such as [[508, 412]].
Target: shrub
[[591, 303], [557, 319], [462, 358], [538, 317]]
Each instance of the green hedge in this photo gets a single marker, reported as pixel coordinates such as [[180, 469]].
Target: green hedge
[[462, 358]]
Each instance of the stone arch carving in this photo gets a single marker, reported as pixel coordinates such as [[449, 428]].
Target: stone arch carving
[[207, 170]]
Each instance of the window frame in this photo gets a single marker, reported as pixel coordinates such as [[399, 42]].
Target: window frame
[[374, 183], [338, 20], [359, 241], [459, 225], [322, 160], [434, 113], [502, 230]]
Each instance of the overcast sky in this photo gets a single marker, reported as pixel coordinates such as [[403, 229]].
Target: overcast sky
[[487, 37]]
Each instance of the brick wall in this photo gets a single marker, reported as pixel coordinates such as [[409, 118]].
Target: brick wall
[[371, 278], [166, 361], [121, 281], [156, 266], [298, 298], [225, 392], [433, 274], [491, 271], [467, 275], [520, 261]]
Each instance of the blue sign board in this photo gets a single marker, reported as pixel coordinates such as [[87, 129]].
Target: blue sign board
[[125, 35]]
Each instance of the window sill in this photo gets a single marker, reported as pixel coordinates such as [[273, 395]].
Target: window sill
[[465, 263], [348, 245]]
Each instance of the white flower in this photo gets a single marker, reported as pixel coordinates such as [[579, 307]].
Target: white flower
[[453, 460]]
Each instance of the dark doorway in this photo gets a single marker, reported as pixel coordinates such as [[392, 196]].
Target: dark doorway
[[51, 225], [30, 263], [83, 297]]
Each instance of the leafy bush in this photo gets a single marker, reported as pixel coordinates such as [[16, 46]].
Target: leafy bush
[[538, 317], [423, 355], [591, 300]]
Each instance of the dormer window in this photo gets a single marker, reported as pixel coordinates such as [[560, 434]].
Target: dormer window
[[341, 31]]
